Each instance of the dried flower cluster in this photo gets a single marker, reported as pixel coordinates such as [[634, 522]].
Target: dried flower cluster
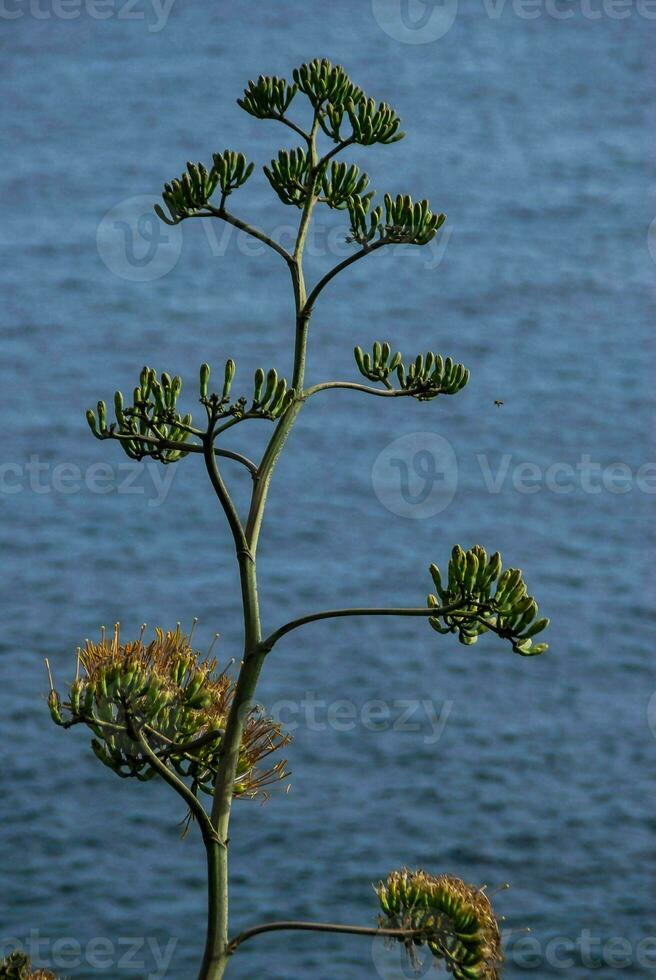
[[161, 696], [456, 921], [17, 966]]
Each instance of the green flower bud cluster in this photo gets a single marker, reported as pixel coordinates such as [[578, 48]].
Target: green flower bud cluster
[[289, 176], [164, 693], [151, 426], [455, 920], [332, 94], [271, 397], [432, 375], [378, 365], [405, 222], [427, 377], [365, 223], [373, 123], [17, 966], [192, 191], [408, 222], [268, 98], [341, 183], [510, 612], [326, 84]]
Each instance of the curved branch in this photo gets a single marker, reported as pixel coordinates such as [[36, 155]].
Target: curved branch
[[186, 747], [354, 386], [224, 499], [366, 250], [430, 611], [335, 150], [189, 447], [238, 458], [292, 125], [248, 229], [320, 927], [169, 777]]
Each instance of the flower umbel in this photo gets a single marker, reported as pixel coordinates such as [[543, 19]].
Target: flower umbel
[[162, 696], [456, 921], [510, 612]]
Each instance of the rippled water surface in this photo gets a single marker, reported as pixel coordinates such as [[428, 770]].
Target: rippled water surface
[[532, 134]]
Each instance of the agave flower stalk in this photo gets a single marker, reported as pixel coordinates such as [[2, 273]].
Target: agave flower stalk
[[157, 709]]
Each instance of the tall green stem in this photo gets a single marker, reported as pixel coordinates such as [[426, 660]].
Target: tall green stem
[[217, 953]]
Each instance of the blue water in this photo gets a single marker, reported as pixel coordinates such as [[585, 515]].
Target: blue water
[[533, 135]]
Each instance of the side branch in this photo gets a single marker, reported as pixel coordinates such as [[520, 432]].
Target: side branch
[[431, 611], [187, 447], [320, 286], [354, 386], [225, 500], [286, 121], [194, 804], [321, 927], [231, 219], [342, 145]]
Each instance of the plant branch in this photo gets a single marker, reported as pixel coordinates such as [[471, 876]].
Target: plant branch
[[431, 611], [188, 747], [194, 804], [365, 250], [320, 927], [231, 219], [310, 200], [239, 458], [335, 150], [187, 447], [354, 386], [224, 499], [292, 125]]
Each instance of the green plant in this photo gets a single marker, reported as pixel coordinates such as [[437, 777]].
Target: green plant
[[156, 709]]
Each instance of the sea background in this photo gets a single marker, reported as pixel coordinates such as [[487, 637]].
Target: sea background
[[535, 135]]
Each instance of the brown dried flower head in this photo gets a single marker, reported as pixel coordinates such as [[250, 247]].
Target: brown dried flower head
[[165, 693], [454, 920]]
